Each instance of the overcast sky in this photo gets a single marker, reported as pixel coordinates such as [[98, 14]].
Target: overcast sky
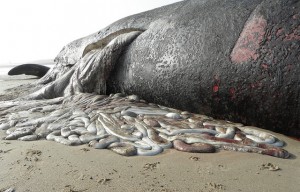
[[38, 29]]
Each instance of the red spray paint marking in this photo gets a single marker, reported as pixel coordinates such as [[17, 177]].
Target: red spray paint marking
[[279, 32], [256, 85], [295, 35], [217, 82], [249, 41], [215, 88], [290, 67], [232, 92], [296, 16], [264, 66]]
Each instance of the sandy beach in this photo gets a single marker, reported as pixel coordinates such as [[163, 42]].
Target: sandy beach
[[49, 166]]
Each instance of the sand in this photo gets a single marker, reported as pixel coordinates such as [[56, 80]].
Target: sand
[[50, 166]]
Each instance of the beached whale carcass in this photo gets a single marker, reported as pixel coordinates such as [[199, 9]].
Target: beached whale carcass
[[236, 60]]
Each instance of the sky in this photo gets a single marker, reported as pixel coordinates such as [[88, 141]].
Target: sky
[[38, 29]]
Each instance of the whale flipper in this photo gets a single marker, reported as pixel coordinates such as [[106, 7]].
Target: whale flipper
[[29, 69]]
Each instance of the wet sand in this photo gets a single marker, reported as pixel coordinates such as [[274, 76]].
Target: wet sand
[[50, 166]]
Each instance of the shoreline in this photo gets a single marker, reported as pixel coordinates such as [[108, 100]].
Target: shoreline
[[7, 82], [49, 166]]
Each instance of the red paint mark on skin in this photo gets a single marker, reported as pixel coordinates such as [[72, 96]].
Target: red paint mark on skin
[[232, 92], [296, 16], [215, 88], [217, 82], [279, 32], [255, 85], [290, 67], [249, 40], [264, 66], [295, 35]]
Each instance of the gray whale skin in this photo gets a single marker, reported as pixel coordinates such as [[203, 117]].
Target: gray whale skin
[[233, 60]]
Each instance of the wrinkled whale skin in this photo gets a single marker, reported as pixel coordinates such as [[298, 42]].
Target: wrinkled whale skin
[[235, 60]]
